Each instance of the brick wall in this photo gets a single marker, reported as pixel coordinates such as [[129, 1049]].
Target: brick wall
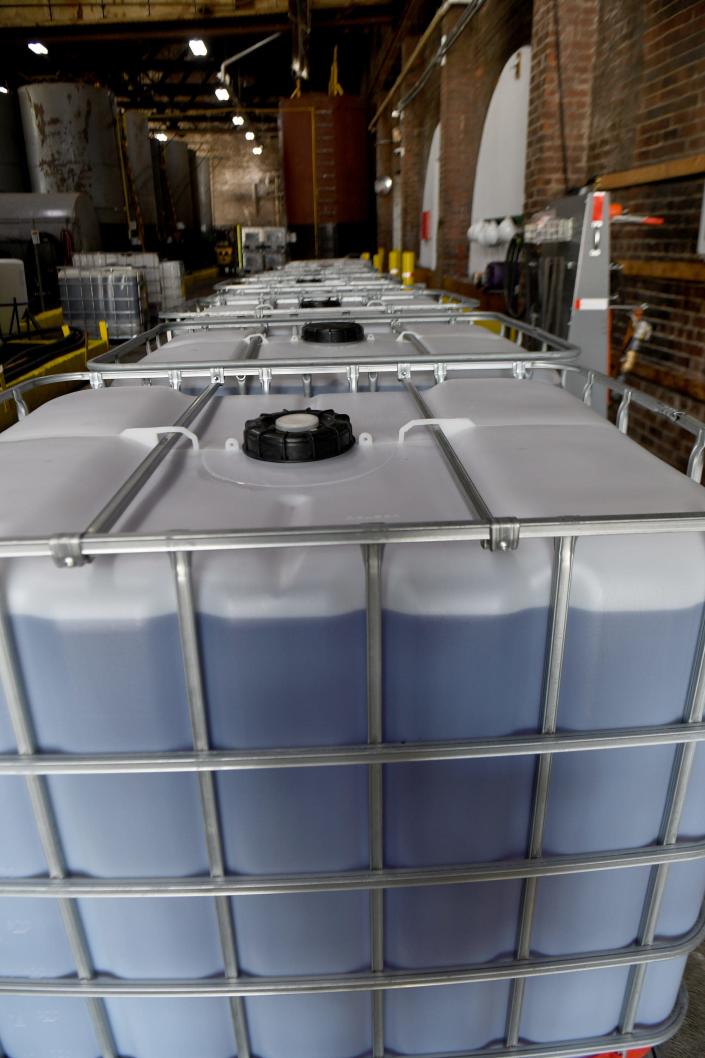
[[633, 78], [468, 80], [556, 162], [649, 107], [457, 94], [246, 188], [633, 90], [417, 123], [384, 166]]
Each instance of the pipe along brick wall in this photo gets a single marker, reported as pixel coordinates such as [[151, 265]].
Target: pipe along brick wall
[[631, 79]]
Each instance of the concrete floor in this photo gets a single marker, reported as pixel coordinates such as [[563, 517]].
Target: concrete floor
[[690, 1041]]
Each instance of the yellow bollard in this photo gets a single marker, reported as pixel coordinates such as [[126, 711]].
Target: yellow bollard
[[394, 262], [376, 262], [408, 263], [364, 256]]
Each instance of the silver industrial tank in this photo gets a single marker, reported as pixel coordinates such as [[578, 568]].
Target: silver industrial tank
[[139, 157], [178, 176], [13, 169], [23, 213], [201, 187], [71, 140]]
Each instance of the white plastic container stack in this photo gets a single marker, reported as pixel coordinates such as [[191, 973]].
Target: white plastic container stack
[[284, 655], [116, 295], [172, 283], [147, 263]]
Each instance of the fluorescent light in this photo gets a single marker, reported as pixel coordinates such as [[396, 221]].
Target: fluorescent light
[[256, 150], [198, 47], [249, 135], [161, 136], [238, 120], [4, 90], [38, 48], [222, 94]]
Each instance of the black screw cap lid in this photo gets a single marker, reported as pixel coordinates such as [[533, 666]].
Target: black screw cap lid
[[333, 332], [298, 437], [320, 303]]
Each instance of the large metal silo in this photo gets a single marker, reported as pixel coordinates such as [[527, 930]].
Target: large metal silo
[[13, 169], [71, 140], [178, 175], [141, 171], [201, 187]]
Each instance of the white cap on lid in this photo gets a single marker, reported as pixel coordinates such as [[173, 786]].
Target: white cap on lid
[[296, 422]]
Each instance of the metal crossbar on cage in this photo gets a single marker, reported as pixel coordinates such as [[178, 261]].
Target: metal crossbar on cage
[[531, 340], [498, 534]]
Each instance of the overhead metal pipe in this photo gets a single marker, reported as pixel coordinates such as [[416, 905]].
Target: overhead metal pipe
[[439, 15], [246, 51]]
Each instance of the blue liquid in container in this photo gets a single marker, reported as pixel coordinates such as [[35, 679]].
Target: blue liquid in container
[[302, 682]]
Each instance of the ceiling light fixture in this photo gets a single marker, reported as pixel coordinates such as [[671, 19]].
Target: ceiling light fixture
[[249, 135], [238, 120], [161, 136], [198, 47], [256, 150], [37, 48], [3, 89], [222, 94]]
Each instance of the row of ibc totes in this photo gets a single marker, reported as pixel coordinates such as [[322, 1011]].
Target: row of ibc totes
[[352, 691], [337, 289]]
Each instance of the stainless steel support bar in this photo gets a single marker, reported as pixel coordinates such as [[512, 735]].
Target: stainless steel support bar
[[353, 881], [336, 535], [500, 970], [364, 754], [555, 647], [675, 802], [373, 592], [181, 564]]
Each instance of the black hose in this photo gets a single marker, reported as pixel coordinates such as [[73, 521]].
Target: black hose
[[513, 267], [18, 357]]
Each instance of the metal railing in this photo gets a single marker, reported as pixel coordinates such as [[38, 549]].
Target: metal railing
[[532, 344]]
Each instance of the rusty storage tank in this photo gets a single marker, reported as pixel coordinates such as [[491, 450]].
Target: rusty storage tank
[[71, 141], [178, 176], [13, 166], [141, 172], [201, 188], [326, 175]]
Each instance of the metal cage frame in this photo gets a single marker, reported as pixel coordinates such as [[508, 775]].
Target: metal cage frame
[[502, 534]]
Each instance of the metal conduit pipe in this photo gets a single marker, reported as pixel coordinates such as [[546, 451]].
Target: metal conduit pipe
[[438, 17]]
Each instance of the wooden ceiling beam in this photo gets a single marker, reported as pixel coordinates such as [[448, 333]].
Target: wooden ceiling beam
[[54, 15]]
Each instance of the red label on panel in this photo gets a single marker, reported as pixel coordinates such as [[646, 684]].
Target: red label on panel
[[598, 207], [426, 225]]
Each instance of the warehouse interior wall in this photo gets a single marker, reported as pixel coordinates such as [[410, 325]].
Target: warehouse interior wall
[[457, 95], [615, 85], [635, 99], [246, 189]]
